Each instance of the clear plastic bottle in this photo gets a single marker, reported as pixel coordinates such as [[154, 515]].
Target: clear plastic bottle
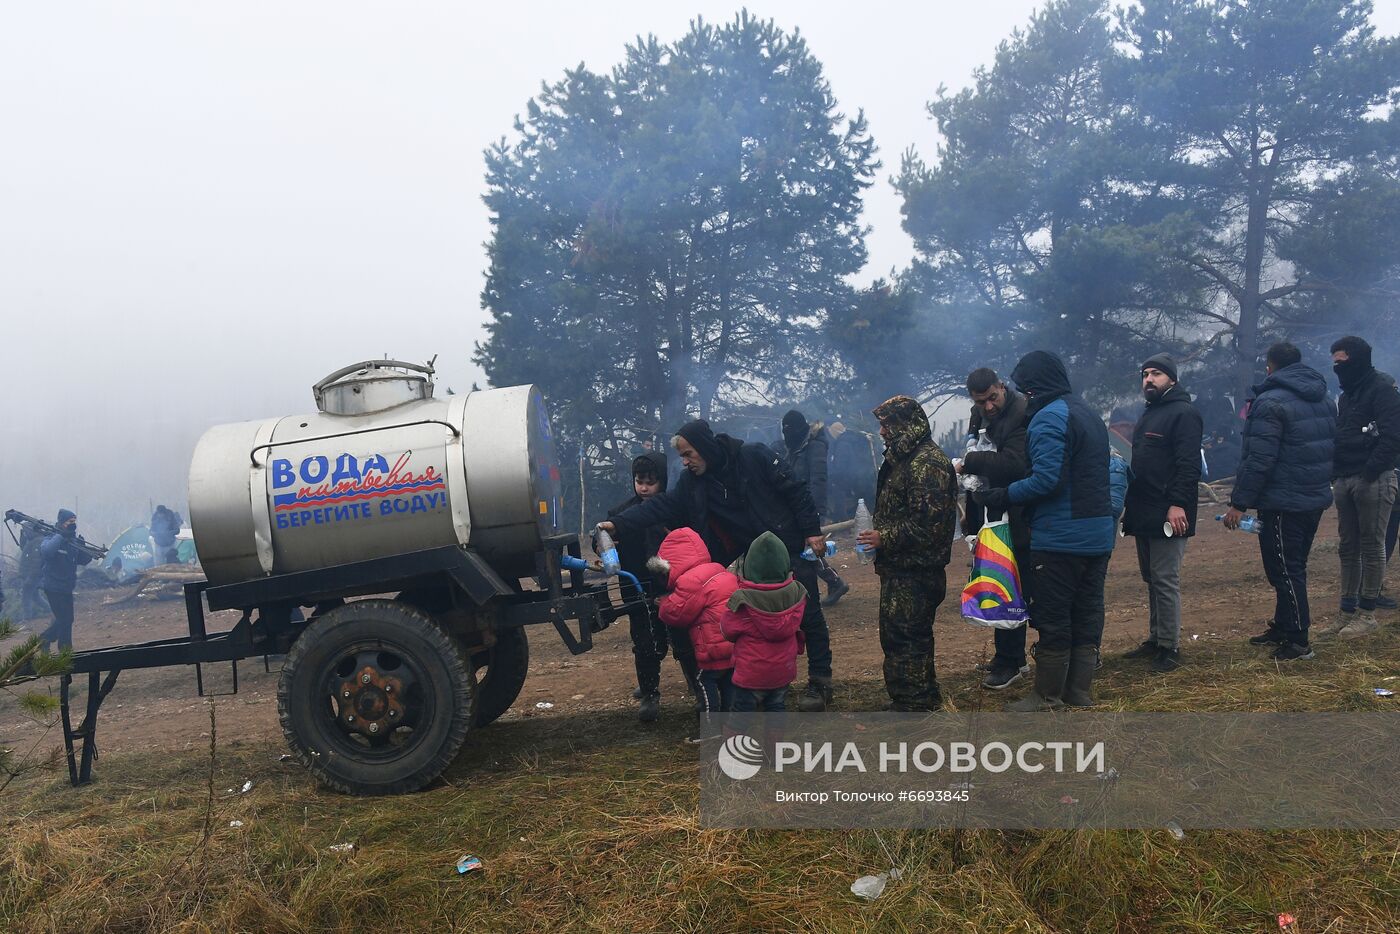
[[607, 552], [863, 524], [1249, 524]]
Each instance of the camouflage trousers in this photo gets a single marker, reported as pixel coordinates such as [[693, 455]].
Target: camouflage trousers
[[907, 607]]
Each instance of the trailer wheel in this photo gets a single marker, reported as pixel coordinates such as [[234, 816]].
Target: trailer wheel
[[505, 665], [375, 698]]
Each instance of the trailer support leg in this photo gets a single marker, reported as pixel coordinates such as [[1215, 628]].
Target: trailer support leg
[[80, 764]]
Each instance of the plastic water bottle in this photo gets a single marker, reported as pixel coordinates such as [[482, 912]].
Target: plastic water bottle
[[607, 552], [830, 551], [1247, 524], [863, 524]]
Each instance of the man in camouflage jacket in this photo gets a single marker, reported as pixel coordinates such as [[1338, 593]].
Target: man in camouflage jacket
[[915, 512]]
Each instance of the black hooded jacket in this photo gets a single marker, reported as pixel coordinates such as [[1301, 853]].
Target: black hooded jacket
[[1166, 465], [1004, 466], [1370, 399], [808, 463], [746, 490], [1286, 461], [633, 551]]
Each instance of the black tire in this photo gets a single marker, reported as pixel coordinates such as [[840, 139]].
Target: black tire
[[506, 663], [350, 661]]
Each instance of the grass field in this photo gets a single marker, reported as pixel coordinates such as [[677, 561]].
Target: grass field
[[590, 823]]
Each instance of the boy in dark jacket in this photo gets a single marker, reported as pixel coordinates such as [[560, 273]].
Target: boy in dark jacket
[[1285, 473], [765, 625], [1363, 468], [1160, 509], [1002, 412], [650, 636]]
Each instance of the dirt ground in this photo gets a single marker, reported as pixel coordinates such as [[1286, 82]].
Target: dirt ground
[[1225, 598]]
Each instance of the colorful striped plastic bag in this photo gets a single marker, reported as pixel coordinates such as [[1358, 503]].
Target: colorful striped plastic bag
[[993, 595]]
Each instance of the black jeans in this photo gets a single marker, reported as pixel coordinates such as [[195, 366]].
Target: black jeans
[[1066, 599], [61, 629], [650, 639], [813, 621], [1284, 543]]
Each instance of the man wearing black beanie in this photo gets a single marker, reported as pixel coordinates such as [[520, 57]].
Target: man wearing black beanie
[[730, 493], [1160, 508]]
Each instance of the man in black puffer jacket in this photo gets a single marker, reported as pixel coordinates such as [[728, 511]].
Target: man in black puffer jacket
[[1160, 508], [806, 448], [1363, 468], [730, 493], [1285, 473]]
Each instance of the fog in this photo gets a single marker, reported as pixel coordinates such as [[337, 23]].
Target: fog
[[206, 207]]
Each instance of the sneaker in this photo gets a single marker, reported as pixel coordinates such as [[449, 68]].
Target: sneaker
[[1385, 603], [650, 709], [1270, 636], [1001, 678], [1293, 652], [982, 667], [637, 694], [1146, 649], [1362, 624], [1166, 660], [816, 698], [1333, 626], [836, 593]]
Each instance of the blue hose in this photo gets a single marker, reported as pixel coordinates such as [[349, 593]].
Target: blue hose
[[571, 563]]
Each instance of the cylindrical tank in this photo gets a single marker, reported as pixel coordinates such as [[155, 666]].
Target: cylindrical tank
[[382, 469]]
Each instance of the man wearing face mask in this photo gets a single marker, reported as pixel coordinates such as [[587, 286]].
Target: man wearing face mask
[[806, 447], [1160, 508], [1363, 472], [61, 559]]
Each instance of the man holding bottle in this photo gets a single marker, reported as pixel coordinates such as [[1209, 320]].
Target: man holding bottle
[[1286, 474]]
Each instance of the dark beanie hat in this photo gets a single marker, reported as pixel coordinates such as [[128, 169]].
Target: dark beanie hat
[[702, 438], [1163, 362], [651, 462], [64, 515], [795, 419]]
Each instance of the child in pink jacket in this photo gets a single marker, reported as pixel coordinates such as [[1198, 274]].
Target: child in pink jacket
[[764, 622], [698, 599]]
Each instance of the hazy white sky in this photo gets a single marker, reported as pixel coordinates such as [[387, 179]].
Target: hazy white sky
[[205, 207]]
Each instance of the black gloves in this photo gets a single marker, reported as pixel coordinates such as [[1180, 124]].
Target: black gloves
[[994, 500]]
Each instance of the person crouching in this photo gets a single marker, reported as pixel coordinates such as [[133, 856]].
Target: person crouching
[[697, 600], [764, 623]]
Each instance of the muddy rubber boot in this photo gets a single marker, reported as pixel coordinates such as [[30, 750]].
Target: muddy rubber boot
[[650, 708], [1051, 672], [1079, 690]]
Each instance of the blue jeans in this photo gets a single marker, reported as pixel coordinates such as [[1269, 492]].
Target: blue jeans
[[771, 701], [716, 691]]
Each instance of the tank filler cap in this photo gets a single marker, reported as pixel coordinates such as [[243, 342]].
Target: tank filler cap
[[373, 386]]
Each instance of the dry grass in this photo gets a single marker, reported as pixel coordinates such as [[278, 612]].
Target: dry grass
[[590, 823]]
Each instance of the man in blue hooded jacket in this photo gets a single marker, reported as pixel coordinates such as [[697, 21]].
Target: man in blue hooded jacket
[[61, 558], [1286, 474], [1069, 501]]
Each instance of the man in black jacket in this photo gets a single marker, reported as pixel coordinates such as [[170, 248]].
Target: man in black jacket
[[730, 493], [1160, 508], [1363, 471], [1285, 473], [1002, 412], [650, 636], [806, 457]]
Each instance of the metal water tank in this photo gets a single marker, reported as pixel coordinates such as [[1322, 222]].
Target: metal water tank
[[382, 468]]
